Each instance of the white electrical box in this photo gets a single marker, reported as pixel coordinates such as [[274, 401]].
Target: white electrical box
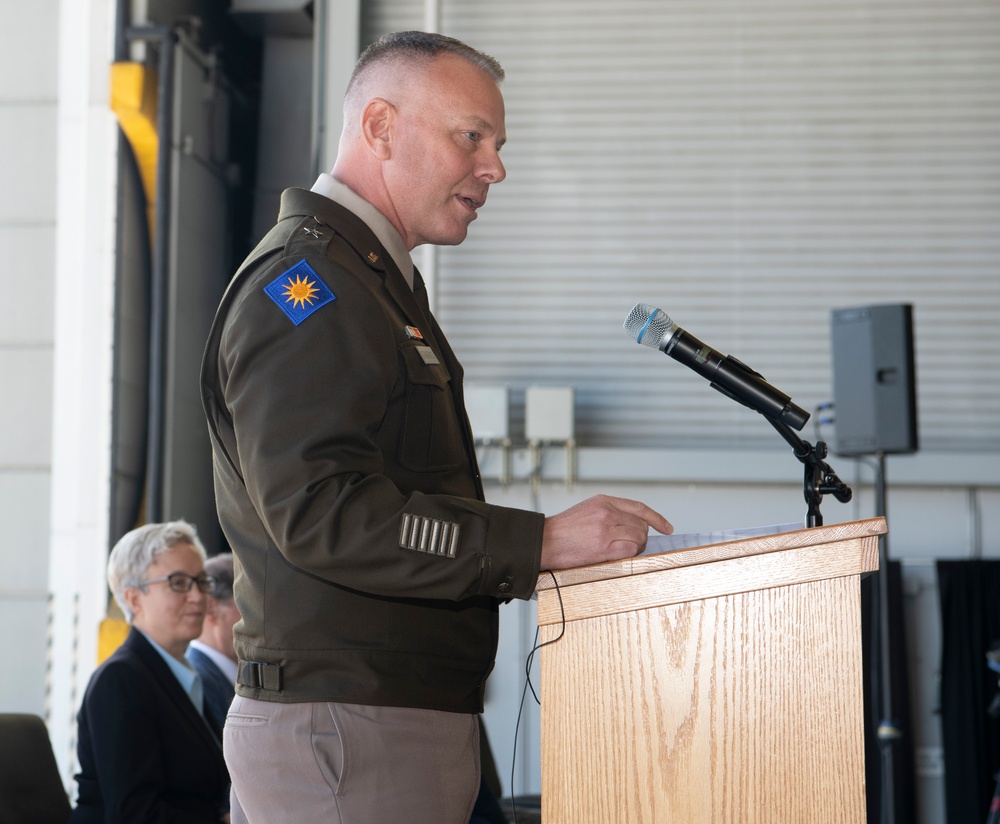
[[548, 413], [487, 405]]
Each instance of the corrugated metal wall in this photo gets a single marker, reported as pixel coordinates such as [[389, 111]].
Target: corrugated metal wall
[[747, 167]]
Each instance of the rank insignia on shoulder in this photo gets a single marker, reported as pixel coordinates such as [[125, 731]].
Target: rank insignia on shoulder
[[299, 292], [413, 333]]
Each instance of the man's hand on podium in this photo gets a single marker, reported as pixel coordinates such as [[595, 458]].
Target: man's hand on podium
[[601, 528]]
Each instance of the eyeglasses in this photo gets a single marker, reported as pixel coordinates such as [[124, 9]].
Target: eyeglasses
[[182, 582]]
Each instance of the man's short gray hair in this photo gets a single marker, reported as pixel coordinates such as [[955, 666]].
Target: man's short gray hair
[[136, 551], [421, 47]]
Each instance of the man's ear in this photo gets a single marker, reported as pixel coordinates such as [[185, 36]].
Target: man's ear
[[376, 127], [133, 598]]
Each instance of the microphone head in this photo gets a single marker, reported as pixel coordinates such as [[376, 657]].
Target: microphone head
[[650, 326]]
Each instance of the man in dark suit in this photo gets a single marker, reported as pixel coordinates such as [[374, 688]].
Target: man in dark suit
[[146, 752], [212, 653]]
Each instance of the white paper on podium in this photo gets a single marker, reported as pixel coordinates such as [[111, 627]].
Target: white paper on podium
[[668, 543]]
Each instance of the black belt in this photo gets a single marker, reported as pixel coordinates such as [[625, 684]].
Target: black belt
[[258, 675]]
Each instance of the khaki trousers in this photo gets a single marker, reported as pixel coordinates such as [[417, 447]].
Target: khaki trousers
[[350, 764]]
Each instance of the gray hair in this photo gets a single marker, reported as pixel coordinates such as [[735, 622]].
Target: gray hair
[[136, 552], [419, 47], [220, 567]]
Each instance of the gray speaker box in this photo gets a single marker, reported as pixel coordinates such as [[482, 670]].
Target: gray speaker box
[[874, 380]]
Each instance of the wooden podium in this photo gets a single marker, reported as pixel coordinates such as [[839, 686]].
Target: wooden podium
[[719, 684]]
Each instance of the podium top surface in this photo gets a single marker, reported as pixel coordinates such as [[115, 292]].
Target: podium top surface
[[712, 552]]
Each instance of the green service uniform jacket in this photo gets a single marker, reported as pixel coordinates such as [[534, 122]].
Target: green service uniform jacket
[[369, 568]]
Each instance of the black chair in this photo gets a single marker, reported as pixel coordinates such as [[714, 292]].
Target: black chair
[[31, 789]]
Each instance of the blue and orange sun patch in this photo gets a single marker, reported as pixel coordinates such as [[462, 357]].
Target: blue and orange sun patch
[[299, 292]]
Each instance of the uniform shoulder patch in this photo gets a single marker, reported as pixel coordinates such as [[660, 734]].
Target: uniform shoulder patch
[[299, 292]]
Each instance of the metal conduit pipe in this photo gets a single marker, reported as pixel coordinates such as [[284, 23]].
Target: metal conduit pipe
[[158, 291], [121, 25]]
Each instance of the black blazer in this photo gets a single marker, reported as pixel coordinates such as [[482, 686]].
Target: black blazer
[[219, 690], [146, 755]]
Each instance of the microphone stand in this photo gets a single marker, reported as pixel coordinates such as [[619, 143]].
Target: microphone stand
[[889, 730], [819, 479]]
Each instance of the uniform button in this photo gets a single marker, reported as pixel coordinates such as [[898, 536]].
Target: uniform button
[[505, 585]]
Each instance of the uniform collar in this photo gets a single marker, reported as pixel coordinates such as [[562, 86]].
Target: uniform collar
[[340, 193], [412, 300]]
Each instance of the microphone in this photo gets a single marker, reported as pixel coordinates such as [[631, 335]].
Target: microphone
[[653, 328]]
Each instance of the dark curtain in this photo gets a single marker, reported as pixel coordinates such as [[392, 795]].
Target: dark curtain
[[970, 623], [898, 756]]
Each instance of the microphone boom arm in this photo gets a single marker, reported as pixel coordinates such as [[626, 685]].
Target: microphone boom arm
[[818, 478]]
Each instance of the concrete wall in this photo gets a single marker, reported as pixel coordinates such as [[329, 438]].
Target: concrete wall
[[28, 114]]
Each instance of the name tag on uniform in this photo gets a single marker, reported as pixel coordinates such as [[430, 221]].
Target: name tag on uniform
[[428, 356]]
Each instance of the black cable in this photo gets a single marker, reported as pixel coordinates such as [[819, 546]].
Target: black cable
[[527, 683], [517, 726], [562, 631]]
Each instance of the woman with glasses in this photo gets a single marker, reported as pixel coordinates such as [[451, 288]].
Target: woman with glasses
[[146, 752]]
